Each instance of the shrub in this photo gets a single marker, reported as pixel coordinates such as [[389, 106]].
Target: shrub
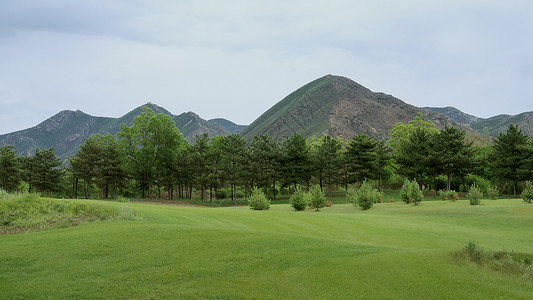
[[366, 196], [317, 198], [527, 193], [410, 192], [351, 196], [125, 212], [474, 195], [455, 196], [493, 192], [258, 200], [449, 195], [299, 200], [473, 251]]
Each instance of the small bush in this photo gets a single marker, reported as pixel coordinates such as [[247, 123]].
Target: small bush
[[366, 196], [473, 251], [474, 195], [527, 193], [493, 192], [258, 200], [410, 192], [299, 200], [449, 195], [125, 212], [351, 196], [317, 198]]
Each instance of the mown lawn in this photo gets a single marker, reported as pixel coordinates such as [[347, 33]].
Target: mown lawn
[[393, 251]]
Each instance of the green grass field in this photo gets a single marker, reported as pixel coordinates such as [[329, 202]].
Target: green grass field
[[392, 251]]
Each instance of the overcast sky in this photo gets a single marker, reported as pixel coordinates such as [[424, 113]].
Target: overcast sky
[[235, 59]]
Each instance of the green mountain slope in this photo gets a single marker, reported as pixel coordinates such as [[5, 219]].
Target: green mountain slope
[[228, 125], [64, 131], [500, 123], [456, 115], [337, 106], [191, 125]]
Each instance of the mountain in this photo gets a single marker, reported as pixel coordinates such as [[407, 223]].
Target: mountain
[[491, 126], [191, 125], [337, 106], [500, 123], [456, 115], [67, 130], [62, 131], [228, 125]]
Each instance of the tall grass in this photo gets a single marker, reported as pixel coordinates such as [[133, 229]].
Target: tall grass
[[29, 212]]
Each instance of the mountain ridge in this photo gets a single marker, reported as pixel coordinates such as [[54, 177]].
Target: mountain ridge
[[67, 130], [330, 105]]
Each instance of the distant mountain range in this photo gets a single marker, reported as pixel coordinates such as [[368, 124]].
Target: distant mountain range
[[491, 126], [331, 105], [67, 130]]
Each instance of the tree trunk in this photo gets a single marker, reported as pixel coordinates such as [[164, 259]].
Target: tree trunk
[[87, 185], [449, 183], [76, 188]]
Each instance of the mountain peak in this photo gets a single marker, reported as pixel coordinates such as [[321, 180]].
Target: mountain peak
[[335, 106]]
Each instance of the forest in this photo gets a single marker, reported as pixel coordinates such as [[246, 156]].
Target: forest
[[151, 159]]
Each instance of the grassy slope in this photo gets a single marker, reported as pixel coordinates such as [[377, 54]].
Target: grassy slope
[[500, 123], [284, 111], [390, 251]]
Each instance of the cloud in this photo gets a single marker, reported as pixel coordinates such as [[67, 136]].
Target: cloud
[[236, 59]]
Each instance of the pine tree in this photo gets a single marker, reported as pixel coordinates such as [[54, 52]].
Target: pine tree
[[450, 154], [10, 173], [46, 171], [507, 157]]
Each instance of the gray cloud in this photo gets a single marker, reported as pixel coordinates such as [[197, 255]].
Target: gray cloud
[[236, 59]]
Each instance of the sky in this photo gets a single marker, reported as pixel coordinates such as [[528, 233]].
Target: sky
[[236, 59]]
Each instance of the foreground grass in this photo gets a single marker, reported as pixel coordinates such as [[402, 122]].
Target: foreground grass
[[391, 251]]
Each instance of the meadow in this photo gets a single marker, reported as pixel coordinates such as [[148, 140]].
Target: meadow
[[392, 251]]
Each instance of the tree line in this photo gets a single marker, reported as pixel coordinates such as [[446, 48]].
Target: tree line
[[151, 158]]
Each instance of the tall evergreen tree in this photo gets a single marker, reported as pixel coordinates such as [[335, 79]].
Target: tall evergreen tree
[[111, 172], [327, 160], [381, 162], [296, 160], [202, 163], [46, 171], [264, 161], [507, 155], [233, 160], [526, 169], [413, 156], [361, 157], [10, 173], [86, 163], [450, 154]]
